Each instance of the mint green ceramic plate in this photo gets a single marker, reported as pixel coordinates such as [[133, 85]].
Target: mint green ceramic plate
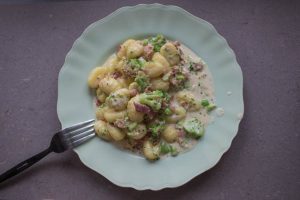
[[98, 41]]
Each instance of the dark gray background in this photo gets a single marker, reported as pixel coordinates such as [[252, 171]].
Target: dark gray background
[[264, 159]]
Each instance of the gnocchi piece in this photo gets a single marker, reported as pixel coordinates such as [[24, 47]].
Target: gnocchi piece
[[120, 64], [170, 133], [157, 57], [123, 48], [138, 133], [111, 115], [159, 84], [111, 63], [132, 113], [133, 86], [109, 85], [116, 133], [170, 52], [101, 96], [101, 130], [179, 113], [123, 82], [95, 75], [100, 112], [188, 100], [134, 50], [151, 152], [118, 100], [154, 69]]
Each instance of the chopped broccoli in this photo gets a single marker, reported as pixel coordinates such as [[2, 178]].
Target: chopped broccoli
[[168, 111], [136, 63], [194, 128], [133, 67], [204, 102], [142, 80], [132, 126], [157, 42], [145, 42], [156, 127], [166, 148], [152, 99], [211, 107]]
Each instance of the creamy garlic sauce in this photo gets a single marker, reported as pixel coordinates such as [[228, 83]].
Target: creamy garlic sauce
[[201, 85], [203, 91]]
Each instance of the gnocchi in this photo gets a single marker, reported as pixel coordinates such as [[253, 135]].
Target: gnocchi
[[109, 85], [138, 132], [133, 114], [111, 115], [115, 132], [170, 134], [170, 52], [147, 102], [101, 130], [159, 84], [154, 69]]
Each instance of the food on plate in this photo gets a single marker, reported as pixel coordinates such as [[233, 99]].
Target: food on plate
[[153, 97]]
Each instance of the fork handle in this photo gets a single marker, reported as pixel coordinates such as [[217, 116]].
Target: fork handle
[[24, 165]]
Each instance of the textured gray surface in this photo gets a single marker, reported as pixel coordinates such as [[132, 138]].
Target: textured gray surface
[[263, 162]]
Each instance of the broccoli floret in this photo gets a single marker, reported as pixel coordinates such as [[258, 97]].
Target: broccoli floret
[[157, 42], [156, 128], [194, 128], [209, 106], [152, 99], [136, 63], [167, 111], [142, 80], [204, 102], [133, 67]]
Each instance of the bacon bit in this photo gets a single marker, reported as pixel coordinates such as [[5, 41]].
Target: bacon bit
[[116, 75], [118, 48], [98, 103], [198, 67], [172, 106], [176, 43], [148, 52], [142, 108], [120, 123], [181, 133]]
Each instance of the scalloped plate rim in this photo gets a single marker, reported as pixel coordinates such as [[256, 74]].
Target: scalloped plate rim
[[191, 16]]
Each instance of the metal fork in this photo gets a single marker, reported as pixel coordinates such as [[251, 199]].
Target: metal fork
[[65, 139]]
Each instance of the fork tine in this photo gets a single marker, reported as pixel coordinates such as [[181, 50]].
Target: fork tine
[[78, 126], [88, 135], [78, 131], [80, 135]]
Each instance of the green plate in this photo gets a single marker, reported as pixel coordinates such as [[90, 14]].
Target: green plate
[[101, 39]]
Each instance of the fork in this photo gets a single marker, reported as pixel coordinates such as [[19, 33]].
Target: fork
[[63, 140]]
